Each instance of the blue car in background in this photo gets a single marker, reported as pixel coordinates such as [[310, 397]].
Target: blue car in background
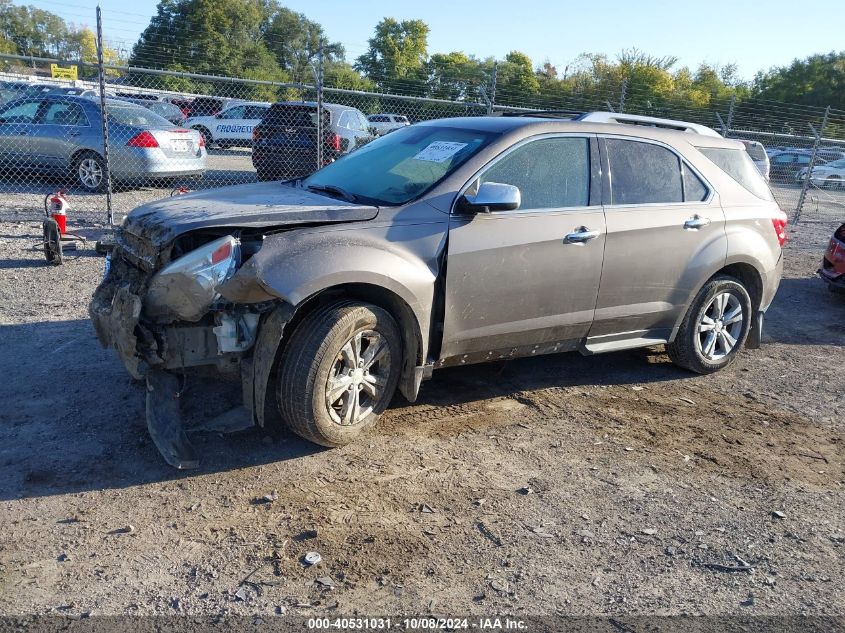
[[63, 135]]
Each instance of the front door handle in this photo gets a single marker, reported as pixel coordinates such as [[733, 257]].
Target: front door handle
[[696, 222], [581, 235]]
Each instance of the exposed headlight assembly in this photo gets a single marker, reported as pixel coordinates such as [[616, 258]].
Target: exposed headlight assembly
[[186, 288]]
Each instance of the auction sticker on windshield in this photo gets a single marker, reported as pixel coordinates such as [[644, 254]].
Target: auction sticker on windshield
[[439, 151]]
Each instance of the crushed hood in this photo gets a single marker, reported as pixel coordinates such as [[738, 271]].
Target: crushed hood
[[259, 205]]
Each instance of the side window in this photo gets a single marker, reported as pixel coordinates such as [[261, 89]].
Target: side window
[[643, 173], [802, 159], [345, 119], [64, 114], [694, 189], [550, 173], [782, 159], [255, 112], [233, 113], [22, 113]]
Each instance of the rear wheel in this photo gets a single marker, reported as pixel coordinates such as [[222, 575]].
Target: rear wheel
[[714, 328], [338, 372]]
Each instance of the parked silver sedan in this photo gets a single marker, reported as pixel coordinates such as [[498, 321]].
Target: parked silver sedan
[[62, 135]]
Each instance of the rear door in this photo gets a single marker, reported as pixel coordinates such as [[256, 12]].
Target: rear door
[[665, 229], [17, 123], [525, 281]]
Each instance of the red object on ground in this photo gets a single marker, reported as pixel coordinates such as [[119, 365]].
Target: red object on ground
[[58, 210]]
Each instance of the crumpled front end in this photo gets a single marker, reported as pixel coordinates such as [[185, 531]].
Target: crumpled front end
[[162, 312]]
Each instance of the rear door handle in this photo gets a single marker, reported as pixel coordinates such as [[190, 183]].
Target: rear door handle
[[581, 235], [696, 222]]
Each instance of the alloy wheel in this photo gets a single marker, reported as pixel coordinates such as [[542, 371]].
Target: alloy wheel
[[90, 173], [358, 378], [720, 326]]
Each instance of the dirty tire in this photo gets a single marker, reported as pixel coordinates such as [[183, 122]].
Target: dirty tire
[[685, 351], [52, 242], [313, 355]]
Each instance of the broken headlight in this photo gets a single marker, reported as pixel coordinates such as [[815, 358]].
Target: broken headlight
[[187, 287]]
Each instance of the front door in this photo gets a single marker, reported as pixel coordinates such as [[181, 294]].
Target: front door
[[526, 281], [16, 127]]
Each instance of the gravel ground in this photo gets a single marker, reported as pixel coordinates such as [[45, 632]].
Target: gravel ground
[[612, 485]]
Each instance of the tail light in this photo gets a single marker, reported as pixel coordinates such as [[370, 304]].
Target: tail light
[[202, 141], [333, 141], [142, 139], [779, 222]]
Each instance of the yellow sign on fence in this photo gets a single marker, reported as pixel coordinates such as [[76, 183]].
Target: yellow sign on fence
[[57, 72]]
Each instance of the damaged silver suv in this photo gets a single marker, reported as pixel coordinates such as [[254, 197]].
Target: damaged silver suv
[[444, 243]]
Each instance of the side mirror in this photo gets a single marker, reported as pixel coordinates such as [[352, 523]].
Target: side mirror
[[491, 196]]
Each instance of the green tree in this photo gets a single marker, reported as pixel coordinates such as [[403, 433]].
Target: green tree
[[214, 37], [516, 83], [32, 31], [295, 41], [397, 55], [339, 74], [818, 80], [457, 76]]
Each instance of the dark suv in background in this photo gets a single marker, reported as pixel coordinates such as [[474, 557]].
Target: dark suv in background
[[284, 144]]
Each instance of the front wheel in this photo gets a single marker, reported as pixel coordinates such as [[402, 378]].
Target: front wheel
[[338, 372], [714, 328], [90, 172]]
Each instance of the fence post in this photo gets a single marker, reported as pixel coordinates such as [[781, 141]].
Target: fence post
[[493, 88], [730, 122], [623, 90], [808, 180], [101, 72], [319, 87]]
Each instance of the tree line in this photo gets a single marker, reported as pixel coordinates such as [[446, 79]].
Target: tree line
[[263, 40]]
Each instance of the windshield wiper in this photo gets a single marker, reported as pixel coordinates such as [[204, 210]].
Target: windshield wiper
[[334, 191]]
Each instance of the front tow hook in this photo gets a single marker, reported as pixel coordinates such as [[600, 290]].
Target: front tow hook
[[164, 421]]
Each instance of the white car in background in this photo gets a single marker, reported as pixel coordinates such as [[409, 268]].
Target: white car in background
[[232, 127], [759, 155], [830, 175], [384, 123]]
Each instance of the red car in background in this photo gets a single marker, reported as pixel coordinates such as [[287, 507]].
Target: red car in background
[[833, 262]]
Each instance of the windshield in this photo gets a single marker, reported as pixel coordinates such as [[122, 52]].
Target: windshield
[[403, 165], [838, 164]]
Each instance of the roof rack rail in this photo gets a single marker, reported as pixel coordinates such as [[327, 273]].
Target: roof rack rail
[[547, 114], [648, 121]]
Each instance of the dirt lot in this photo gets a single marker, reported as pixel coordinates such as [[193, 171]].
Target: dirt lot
[[561, 485]]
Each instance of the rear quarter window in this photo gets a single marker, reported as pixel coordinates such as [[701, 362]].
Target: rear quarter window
[[739, 166]]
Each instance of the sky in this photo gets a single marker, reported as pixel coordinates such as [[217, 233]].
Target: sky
[[754, 35]]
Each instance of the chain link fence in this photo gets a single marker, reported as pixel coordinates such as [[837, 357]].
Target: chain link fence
[[175, 131]]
